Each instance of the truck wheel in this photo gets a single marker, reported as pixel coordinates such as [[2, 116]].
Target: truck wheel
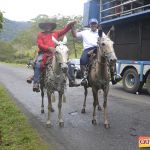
[[131, 81], [148, 83]]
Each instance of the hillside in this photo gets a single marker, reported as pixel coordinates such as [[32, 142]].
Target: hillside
[[12, 28]]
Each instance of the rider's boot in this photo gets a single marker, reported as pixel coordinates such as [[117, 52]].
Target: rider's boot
[[114, 76], [29, 79]]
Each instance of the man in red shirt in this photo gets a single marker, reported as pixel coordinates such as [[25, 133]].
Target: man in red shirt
[[46, 47]]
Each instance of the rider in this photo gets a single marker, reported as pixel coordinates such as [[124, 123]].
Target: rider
[[46, 48], [90, 38]]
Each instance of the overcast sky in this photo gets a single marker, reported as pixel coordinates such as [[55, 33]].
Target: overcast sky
[[25, 10]]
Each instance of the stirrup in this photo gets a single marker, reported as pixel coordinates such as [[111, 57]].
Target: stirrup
[[116, 79], [84, 82]]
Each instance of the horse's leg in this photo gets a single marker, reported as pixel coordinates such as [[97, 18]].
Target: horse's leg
[[99, 106], [106, 124], [95, 102], [42, 95], [52, 100], [48, 123], [61, 122], [85, 96]]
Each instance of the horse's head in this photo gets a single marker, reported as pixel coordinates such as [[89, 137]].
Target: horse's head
[[62, 53], [106, 45]]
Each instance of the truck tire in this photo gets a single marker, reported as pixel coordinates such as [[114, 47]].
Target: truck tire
[[148, 83], [131, 81]]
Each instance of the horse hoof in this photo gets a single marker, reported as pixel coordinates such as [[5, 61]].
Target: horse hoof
[[61, 124], [99, 108], [52, 109], [107, 126], [83, 111], [94, 122], [42, 111]]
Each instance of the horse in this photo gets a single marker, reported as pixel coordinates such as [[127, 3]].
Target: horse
[[99, 74], [55, 78], [62, 51]]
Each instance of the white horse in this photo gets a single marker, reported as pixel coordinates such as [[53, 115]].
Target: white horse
[[56, 76]]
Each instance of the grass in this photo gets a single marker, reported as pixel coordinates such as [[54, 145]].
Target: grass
[[15, 131]]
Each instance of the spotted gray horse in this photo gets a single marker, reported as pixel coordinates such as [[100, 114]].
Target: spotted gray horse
[[55, 78]]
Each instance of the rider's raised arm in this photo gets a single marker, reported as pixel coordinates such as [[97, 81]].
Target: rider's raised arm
[[77, 34], [63, 31]]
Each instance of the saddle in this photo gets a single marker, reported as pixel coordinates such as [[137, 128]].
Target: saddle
[[92, 56]]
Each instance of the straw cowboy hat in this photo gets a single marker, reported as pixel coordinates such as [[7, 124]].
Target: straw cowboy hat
[[47, 26]]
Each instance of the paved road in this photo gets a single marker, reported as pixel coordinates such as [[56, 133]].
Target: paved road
[[129, 116]]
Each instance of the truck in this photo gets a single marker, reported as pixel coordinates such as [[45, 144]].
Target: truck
[[131, 20]]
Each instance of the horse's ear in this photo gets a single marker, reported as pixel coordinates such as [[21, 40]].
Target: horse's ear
[[65, 40], [110, 32], [54, 40]]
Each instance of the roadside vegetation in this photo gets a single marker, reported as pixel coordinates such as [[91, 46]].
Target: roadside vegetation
[[15, 131]]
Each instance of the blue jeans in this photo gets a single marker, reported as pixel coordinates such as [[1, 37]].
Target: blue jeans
[[84, 60], [37, 69]]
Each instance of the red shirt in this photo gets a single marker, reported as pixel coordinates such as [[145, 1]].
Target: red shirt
[[44, 40]]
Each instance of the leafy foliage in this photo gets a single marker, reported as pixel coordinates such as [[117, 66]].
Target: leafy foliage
[[1, 20], [6, 52]]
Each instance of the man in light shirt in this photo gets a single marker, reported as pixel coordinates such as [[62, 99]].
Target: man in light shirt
[[90, 38]]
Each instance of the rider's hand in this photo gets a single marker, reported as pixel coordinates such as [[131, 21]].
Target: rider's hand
[[51, 49], [72, 23]]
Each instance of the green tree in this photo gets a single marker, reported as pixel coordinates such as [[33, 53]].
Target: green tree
[[1, 20], [7, 52]]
